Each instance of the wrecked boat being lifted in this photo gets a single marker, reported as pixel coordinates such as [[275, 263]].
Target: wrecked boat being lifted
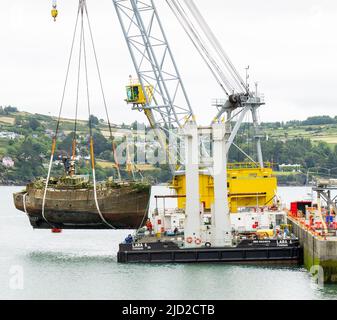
[[70, 203]]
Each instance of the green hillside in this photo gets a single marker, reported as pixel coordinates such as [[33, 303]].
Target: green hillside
[[26, 139], [320, 128]]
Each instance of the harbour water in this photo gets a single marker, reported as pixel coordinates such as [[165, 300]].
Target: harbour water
[[82, 265]]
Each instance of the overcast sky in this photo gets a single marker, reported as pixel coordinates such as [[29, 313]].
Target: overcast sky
[[290, 45]]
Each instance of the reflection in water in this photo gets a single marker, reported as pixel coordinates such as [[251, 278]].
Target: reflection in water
[[82, 265], [58, 257]]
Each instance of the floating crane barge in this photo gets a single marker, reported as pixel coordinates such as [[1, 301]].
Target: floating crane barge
[[211, 236], [211, 227]]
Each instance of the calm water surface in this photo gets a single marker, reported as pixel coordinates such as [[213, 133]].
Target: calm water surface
[[82, 265]]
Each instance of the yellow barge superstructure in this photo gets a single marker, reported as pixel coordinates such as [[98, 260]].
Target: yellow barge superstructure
[[249, 185]]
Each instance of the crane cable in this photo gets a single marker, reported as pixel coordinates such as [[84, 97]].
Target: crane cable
[[53, 148], [81, 6], [77, 99], [215, 43], [199, 45], [92, 153], [103, 95], [248, 130]]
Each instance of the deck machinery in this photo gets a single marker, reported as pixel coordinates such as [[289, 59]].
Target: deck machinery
[[210, 191]]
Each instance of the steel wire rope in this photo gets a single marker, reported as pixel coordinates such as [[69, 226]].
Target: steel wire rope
[[240, 150], [248, 133], [236, 145], [234, 118], [199, 45], [58, 121], [215, 43], [259, 127], [197, 19], [92, 154], [77, 97], [202, 44], [103, 94], [203, 51]]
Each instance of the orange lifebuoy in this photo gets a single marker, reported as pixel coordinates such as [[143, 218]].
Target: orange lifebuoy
[[197, 241], [189, 240]]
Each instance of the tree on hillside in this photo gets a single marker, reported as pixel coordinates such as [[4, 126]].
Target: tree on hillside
[[138, 126], [10, 109], [93, 121], [30, 163], [319, 120], [101, 144], [33, 124], [107, 155], [65, 146], [18, 121]]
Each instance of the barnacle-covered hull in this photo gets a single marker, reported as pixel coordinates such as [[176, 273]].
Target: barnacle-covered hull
[[123, 206]]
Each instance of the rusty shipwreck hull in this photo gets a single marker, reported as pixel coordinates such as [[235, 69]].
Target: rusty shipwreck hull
[[123, 208]]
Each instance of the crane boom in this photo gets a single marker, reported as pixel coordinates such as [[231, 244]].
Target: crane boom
[[154, 63], [166, 103], [223, 70]]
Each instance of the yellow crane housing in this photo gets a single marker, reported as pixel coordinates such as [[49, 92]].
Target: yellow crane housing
[[135, 94], [248, 186]]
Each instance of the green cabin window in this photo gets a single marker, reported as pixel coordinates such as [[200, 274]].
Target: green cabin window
[[133, 93]]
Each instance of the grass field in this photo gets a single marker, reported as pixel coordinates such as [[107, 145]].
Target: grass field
[[146, 167], [7, 120], [328, 139], [106, 164], [279, 173], [3, 146], [326, 133]]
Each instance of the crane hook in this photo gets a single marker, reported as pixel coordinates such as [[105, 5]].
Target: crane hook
[[54, 11]]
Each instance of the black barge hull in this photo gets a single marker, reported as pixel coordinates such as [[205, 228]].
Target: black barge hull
[[244, 253]]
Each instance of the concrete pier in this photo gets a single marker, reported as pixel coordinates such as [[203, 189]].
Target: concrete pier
[[320, 254]]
